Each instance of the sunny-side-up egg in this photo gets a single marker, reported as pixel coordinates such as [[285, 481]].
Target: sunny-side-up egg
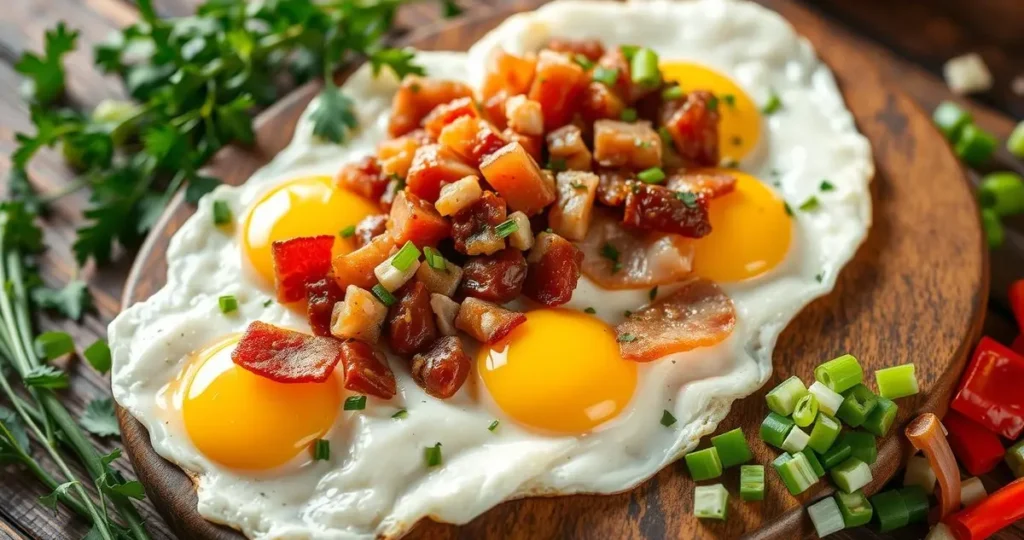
[[553, 407]]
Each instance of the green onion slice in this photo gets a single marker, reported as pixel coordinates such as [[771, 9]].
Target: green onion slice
[[583, 61], [950, 119], [434, 258], [1015, 459], [704, 464], [432, 455], [897, 382], [405, 256], [643, 68], [321, 450], [890, 510], [828, 401], [840, 374], [493, 426], [851, 475], [806, 411], [796, 472], [812, 458], [862, 446], [348, 232], [710, 502], [506, 228], [855, 508], [752, 482], [654, 175], [667, 419], [221, 213], [400, 413], [605, 76], [823, 434], [795, 441], [383, 295], [775, 428], [916, 501], [1003, 193], [858, 403], [783, 398], [355, 403], [732, 448], [628, 115], [672, 92], [881, 417], [826, 517], [836, 455], [228, 304]]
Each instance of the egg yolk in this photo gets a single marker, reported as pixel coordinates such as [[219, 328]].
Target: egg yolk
[[740, 126], [750, 233], [309, 206], [244, 421], [560, 371]]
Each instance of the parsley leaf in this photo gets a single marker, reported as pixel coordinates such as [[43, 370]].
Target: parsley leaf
[[50, 501], [46, 377], [99, 419], [53, 345], [399, 61], [20, 229], [333, 116], [46, 72], [71, 301], [13, 439], [98, 356], [113, 483]]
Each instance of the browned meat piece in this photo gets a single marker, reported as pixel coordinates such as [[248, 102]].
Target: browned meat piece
[[367, 370], [417, 97], [369, 227], [617, 257], [711, 184], [442, 369], [416, 220], [614, 186], [363, 177], [570, 215], [395, 155], [620, 144], [599, 102], [320, 299], [440, 281], [567, 150], [694, 129], [514, 174], [657, 208], [356, 268], [554, 270], [411, 326], [360, 316], [558, 85], [473, 139], [433, 166], [473, 228], [486, 322], [592, 49], [496, 278], [445, 114], [508, 74]]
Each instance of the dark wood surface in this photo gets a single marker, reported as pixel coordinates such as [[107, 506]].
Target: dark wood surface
[[23, 22]]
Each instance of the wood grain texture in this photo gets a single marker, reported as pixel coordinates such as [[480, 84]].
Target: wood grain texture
[[906, 297]]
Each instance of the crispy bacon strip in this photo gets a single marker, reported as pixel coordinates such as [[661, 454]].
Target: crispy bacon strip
[[299, 261], [367, 370], [617, 258], [286, 356]]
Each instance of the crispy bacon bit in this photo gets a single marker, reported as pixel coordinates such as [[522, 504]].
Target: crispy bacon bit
[[364, 177], [416, 97], [486, 322], [566, 147], [617, 258], [590, 48], [524, 115], [657, 208], [514, 174], [395, 155], [507, 73], [554, 270], [359, 316], [356, 268], [615, 185], [445, 310], [286, 356], [570, 216], [445, 114], [473, 139], [299, 261], [321, 295], [496, 278], [411, 326], [433, 166], [558, 85], [369, 227], [694, 129], [620, 144], [698, 314], [415, 220], [473, 228], [711, 184], [442, 369], [439, 281], [367, 370], [600, 102]]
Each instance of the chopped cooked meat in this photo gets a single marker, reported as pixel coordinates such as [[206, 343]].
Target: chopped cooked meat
[[442, 369], [599, 102], [508, 74], [445, 310], [473, 139], [657, 208], [394, 186], [524, 115], [621, 144], [363, 177], [494, 109], [370, 227], [592, 49], [321, 296], [367, 370], [396, 155], [694, 129], [512, 172], [391, 277], [554, 270], [711, 184], [522, 237], [623, 86], [433, 166], [614, 186], [473, 228], [410, 320], [417, 96], [566, 148], [446, 113], [458, 195], [356, 268], [415, 220], [360, 316], [298, 262], [557, 86], [698, 314], [440, 281], [617, 258], [286, 356], [570, 216], [533, 144], [486, 322], [496, 278]]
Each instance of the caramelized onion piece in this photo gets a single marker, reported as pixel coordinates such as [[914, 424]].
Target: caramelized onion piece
[[926, 434]]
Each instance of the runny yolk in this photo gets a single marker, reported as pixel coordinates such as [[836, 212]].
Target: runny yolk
[[309, 206], [244, 421], [560, 372], [740, 126], [750, 232]]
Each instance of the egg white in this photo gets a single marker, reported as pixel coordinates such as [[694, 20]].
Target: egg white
[[376, 482]]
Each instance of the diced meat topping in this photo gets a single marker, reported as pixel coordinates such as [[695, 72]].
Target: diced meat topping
[[321, 296], [445, 114], [473, 228], [557, 86], [445, 311], [433, 166], [417, 96], [396, 155], [496, 278], [621, 144], [567, 149], [363, 177], [359, 316], [591, 49], [614, 186], [694, 129], [486, 322], [440, 280], [554, 270], [298, 262], [517, 176], [524, 115], [711, 184], [367, 370], [442, 369], [656, 208], [416, 220], [456, 196], [411, 326], [570, 216], [533, 144], [600, 102], [370, 227], [617, 258], [507, 74], [473, 139], [356, 268], [699, 314], [286, 356]]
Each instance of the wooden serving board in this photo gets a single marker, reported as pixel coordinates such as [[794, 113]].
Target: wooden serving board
[[916, 292]]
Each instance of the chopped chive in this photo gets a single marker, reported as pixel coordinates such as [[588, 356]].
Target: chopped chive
[[672, 92], [704, 464], [773, 104], [840, 374], [752, 482], [605, 76], [783, 398], [823, 434], [713, 103], [626, 338], [321, 450], [689, 198], [775, 428], [788, 209], [812, 458], [828, 401], [810, 204], [221, 213], [434, 259], [583, 61], [732, 448], [882, 417], [590, 310], [839, 453], [627, 314], [806, 411], [609, 252], [557, 164], [401, 413], [710, 502], [493, 426], [355, 403], [403, 260], [506, 228], [851, 475], [628, 115], [890, 510], [348, 232], [729, 100], [653, 294], [432, 455], [858, 403], [654, 175], [897, 382], [826, 186], [643, 68], [383, 295], [629, 51], [268, 302], [855, 508], [228, 304], [819, 277], [666, 136], [667, 419], [826, 517]]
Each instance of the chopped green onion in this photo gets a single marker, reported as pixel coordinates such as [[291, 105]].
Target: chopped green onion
[[858, 403], [994, 233], [506, 228], [1015, 458], [828, 401], [583, 61], [975, 145], [971, 491], [855, 508], [824, 433], [919, 473], [605, 76], [654, 175], [1015, 144], [672, 92], [626, 338], [826, 517], [897, 382], [405, 256], [348, 232], [806, 411], [666, 136], [862, 446], [434, 259], [383, 295], [710, 502], [667, 419], [590, 310], [752, 482], [795, 441], [840, 374], [796, 472], [809, 204], [812, 458], [916, 501], [321, 450], [221, 213], [775, 429], [493, 426], [432, 455], [1003, 193], [732, 448], [784, 397], [826, 186], [840, 452], [228, 304], [401, 413], [890, 510], [881, 417], [355, 403], [643, 68], [951, 120], [628, 115], [773, 104], [851, 475], [704, 464], [268, 302], [729, 100]]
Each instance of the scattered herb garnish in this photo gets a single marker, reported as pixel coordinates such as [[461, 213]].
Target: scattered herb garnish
[[583, 62], [383, 295], [505, 228], [268, 302], [713, 103], [556, 164], [609, 252], [810, 204], [348, 232], [654, 175], [819, 277], [590, 310], [98, 356], [826, 186], [228, 304], [666, 136], [626, 338], [628, 115], [787, 208], [355, 403], [689, 198], [321, 450], [736, 140], [672, 92], [667, 419], [432, 455], [493, 426], [773, 104], [729, 100], [221, 213], [401, 413], [605, 76], [627, 314], [53, 345]]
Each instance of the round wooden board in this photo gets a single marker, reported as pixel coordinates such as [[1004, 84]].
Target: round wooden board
[[916, 292]]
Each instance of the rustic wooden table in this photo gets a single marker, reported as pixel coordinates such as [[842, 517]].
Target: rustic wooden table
[[912, 38]]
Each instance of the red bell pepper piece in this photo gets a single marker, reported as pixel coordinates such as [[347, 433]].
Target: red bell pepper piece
[[1017, 301], [990, 390], [977, 448], [996, 512], [1018, 345]]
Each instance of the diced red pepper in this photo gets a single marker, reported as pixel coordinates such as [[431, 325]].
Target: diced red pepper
[[977, 448], [321, 296], [996, 512], [990, 390], [299, 261], [286, 356], [367, 370], [1017, 301]]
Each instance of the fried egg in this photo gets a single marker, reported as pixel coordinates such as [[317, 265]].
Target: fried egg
[[550, 409]]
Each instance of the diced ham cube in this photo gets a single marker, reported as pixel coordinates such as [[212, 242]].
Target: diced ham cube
[[390, 277], [473, 139], [360, 316], [415, 220], [570, 216], [445, 114], [496, 278], [440, 281], [367, 370], [442, 369], [416, 97], [620, 144], [494, 109], [298, 262], [522, 237], [554, 270], [458, 195], [363, 177], [694, 129], [533, 144], [445, 309], [473, 228], [557, 86], [432, 167], [411, 326], [518, 178], [370, 227], [566, 146], [356, 268], [524, 115], [507, 73], [286, 356], [396, 155], [599, 102], [711, 184], [657, 208], [486, 322], [321, 297], [592, 49], [614, 186]]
